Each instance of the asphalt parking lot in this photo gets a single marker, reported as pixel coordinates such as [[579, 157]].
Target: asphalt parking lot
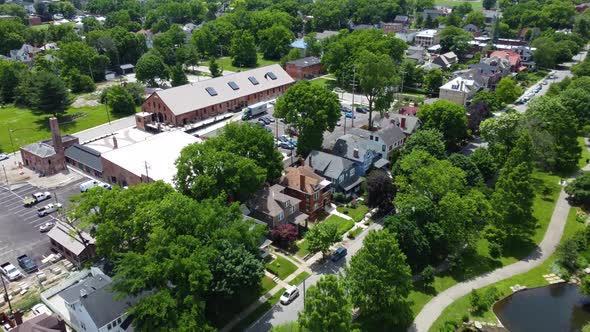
[[19, 225]]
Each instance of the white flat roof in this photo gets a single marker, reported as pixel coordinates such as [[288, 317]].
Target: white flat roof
[[124, 137], [159, 152], [427, 33]]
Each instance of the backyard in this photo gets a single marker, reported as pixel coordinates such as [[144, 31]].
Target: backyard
[[225, 63], [343, 226], [31, 126], [357, 213]]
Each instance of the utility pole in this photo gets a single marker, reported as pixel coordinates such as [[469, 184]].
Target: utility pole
[[353, 85], [6, 176], [6, 297], [146, 171], [11, 143], [106, 108]]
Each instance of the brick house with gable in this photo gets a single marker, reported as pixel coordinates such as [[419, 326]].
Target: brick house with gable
[[312, 190]]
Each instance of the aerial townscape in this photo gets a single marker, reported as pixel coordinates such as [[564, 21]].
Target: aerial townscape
[[294, 165]]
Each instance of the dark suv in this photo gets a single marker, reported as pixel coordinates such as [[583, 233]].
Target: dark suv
[[338, 254]]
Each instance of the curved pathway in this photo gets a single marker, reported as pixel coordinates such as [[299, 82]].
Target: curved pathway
[[432, 310]]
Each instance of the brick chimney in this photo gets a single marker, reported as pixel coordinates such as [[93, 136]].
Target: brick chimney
[[355, 153], [302, 182], [403, 124], [115, 144], [55, 135]]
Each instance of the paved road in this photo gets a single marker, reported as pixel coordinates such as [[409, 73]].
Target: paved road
[[559, 76], [280, 314]]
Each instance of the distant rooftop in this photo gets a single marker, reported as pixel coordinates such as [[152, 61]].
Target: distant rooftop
[[306, 62]]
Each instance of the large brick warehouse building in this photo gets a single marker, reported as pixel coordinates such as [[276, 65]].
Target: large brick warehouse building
[[201, 100]]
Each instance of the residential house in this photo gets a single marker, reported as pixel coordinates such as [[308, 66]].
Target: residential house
[[458, 90], [407, 36], [427, 38], [383, 141], [430, 66], [473, 29], [358, 150], [272, 206], [299, 44], [402, 19], [512, 56], [392, 27], [406, 122], [446, 60], [325, 34], [313, 191], [433, 13], [417, 54], [482, 80], [93, 307], [41, 323], [487, 73], [308, 67], [490, 15], [526, 54], [340, 171], [25, 54], [149, 37]]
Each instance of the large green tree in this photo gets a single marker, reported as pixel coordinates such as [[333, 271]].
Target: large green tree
[[321, 236], [80, 56], [150, 68], [428, 140], [447, 117], [579, 190], [327, 307], [243, 49], [274, 41], [312, 110], [379, 281], [507, 90], [120, 100], [49, 93], [433, 80], [376, 76]]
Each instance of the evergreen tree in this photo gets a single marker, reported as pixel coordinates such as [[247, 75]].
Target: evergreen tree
[[49, 93], [214, 68]]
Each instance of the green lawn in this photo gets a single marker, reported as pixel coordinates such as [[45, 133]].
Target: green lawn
[[281, 267], [299, 278], [302, 248], [547, 190], [357, 214], [254, 315], [325, 82], [343, 224], [532, 278], [476, 5], [585, 153], [354, 233], [31, 126], [225, 63]]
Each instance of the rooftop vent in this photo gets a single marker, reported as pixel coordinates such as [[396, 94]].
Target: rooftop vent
[[272, 76], [233, 85]]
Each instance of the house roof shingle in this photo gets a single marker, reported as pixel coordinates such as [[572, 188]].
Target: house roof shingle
[[85, 156], [266, 200], [306, 62], [292, 179], [328, 165]]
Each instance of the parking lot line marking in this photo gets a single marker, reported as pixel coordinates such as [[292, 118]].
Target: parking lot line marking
[[33, 219], [26, 214]]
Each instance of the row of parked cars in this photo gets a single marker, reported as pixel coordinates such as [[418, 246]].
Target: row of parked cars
[[12, 273]]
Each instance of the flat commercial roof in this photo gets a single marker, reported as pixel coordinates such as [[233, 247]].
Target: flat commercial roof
[[159, 152], [197, 95]]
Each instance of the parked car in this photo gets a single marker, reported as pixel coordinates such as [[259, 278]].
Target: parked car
[[272, 120], [345, 109], [26, 263], [338, 124], [362, 109], [35, 198], [46, 227], [48, 209], [289, 295], [286, 145], [84, 187], [264, 120], [3, 156], [350, 115], [11, 272], [338, 254]]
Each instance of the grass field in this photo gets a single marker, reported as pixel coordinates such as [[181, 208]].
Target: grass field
[[357, 214], [532, 278], [343, 224], [476, 5], [547, 190], [225, 63], [30, 126], [299, 278], [281, 267]]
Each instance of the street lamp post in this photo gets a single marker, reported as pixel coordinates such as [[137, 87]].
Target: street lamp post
[[10, 131]]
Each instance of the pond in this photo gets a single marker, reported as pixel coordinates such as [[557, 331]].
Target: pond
[[545, 309]]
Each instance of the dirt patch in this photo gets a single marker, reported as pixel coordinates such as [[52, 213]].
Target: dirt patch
[[83, 101]]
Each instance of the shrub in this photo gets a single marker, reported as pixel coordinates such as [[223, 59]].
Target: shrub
[[427, 275], [495, 249], [581, 263], [450, 326], [465, 318]]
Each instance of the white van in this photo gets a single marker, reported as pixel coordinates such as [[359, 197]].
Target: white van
[[84, 187], [289, 295]]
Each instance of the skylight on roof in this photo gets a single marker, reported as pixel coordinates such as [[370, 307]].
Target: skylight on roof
[[253, 80], [271, 75], [211, 91], [233, 85]]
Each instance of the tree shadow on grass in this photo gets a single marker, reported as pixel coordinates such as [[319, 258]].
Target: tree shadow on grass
[[66, 122], [220, 310], [519, 248], [473, 264]]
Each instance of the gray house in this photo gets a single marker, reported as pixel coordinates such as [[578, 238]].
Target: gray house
[[340, 171], [272, 206]]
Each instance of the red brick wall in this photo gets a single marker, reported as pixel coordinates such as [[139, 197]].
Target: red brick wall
[[48, 166], [299, 73], [307, 201], [153, 104], [121, 176]]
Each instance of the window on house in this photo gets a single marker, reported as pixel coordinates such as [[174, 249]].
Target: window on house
[[341, 178], [316, 195], [390, 147], [371, 137], [119, 320], [316, 206], [281, 216], [376, 138], [109, 327], [383, 147], [352, 172], [291, 209]]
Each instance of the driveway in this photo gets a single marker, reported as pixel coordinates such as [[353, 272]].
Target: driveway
[[280, 314]]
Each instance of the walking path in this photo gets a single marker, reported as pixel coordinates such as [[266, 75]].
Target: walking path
[[432, 310]]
